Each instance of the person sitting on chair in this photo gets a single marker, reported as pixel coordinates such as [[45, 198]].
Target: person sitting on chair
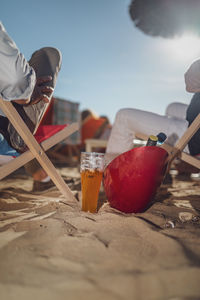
[[177, 118], [94, 126], [29, 86]]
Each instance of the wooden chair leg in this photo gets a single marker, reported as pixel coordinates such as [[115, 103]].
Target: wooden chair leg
[[177, 150], [27, 156], [35, 148]]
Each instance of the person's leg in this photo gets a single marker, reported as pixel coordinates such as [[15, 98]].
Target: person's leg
[[46, 62], [41, 181], [33, 168], [192, 112], [130, 121]]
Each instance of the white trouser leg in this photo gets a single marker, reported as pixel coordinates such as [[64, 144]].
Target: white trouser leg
[[129, 121]]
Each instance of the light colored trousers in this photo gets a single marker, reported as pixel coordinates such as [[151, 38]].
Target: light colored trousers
[[129, 121]]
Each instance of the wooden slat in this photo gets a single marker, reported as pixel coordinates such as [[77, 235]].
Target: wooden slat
[[24, 158], [90, 143], [60, 136], [183, 141], [190, 160], [15, 164], [165, 146], [141, 136], [35, 148]]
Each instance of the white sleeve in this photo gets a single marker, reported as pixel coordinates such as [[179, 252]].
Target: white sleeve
[[17, 78]]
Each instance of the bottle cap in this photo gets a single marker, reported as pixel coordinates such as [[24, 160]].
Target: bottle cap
[[153, 138]]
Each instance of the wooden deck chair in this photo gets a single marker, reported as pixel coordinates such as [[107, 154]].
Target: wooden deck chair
[[36, 150], [177, 150], [94, 143]]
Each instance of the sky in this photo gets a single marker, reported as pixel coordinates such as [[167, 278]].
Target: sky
[[107, 63]]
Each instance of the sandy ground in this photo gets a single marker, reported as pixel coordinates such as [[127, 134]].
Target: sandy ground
[[52, 250]]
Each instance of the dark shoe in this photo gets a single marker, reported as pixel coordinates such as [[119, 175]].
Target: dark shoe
[[39, 186]]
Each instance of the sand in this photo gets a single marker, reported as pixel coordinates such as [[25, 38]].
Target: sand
[[52, 250]]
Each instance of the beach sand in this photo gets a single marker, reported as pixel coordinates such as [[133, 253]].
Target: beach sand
[[52, 250]]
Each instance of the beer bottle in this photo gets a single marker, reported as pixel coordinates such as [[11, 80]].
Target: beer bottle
[[152, 140], [161, 138]]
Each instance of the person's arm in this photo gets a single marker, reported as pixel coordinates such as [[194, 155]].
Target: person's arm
[[17, 78]]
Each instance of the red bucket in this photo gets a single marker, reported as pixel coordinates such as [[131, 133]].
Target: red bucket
[[132, 178]]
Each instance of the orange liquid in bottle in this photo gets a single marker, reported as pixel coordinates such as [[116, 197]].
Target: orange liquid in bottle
[[90, 186]]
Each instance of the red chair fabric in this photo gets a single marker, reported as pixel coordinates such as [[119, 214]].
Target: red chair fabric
[[46, 131]]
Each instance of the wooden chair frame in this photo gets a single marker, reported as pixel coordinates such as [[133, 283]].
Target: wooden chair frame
[[36, 150], [177, 151], [93, 143]]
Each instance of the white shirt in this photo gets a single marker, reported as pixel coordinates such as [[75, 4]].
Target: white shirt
[[17, 78]]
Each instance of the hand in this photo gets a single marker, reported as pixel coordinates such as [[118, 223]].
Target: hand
[[41, 92]]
